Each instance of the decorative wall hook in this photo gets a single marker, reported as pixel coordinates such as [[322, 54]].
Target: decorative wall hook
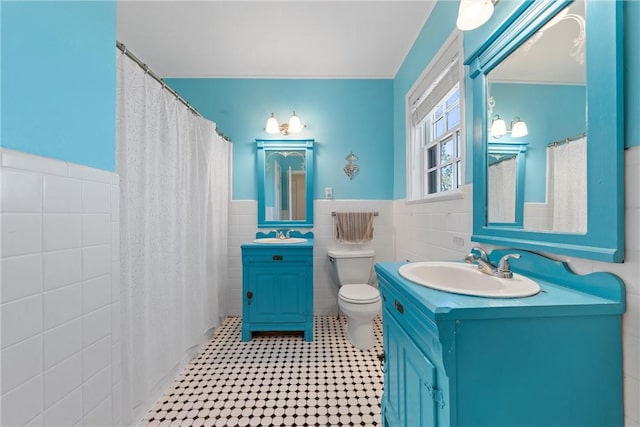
[[351, 168]]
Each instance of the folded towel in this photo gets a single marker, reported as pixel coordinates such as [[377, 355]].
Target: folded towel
[[354, 227]]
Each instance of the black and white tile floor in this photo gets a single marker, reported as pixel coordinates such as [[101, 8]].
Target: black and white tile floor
[[276, 380]]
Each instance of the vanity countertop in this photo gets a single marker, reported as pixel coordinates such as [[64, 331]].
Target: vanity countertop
[[307, 244], [557, 297]]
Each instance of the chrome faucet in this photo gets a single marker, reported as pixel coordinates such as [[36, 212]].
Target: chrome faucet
[[288, 235], [278, 234], [503, 269]]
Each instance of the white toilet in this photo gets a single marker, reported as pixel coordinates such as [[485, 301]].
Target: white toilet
[[357, 299]]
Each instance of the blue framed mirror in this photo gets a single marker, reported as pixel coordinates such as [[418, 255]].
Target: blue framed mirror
[[285, 183], [558, 66]]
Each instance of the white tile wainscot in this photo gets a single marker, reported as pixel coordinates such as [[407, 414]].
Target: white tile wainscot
[[59, 299]]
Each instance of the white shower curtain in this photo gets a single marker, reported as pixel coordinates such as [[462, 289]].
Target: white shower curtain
[[501, 191], [174, 192], [568, 183]]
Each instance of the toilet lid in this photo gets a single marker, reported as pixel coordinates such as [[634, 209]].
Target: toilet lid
[[359, 294]]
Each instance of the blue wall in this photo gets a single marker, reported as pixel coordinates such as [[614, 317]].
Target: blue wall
[[58, 80], [342, 115], [58, 96]]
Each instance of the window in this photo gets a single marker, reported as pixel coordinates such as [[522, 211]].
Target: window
[[434, 106]]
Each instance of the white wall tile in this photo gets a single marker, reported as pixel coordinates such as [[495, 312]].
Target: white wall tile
[[62, 305], [62, 231], [115, 322], [21, 234], [21, 362], [61, 379], [62, 342], [90, 174], [95, 390], [631, 402], [21, 277], [96, 357], [115, 203], [116, 363], [96, 229], [96, 325], [115, 281], [35, 422], [100, 416], [96, 261], [62, 194], [96, 293], [66, 412], [58, 223], [21, 191], [21, 319], [32, 163], [96, 197], [62, 268], [115, 241], [22, 404], [116, 407]]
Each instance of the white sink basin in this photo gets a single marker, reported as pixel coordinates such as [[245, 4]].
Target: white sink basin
[[272, 240], [465, 279]]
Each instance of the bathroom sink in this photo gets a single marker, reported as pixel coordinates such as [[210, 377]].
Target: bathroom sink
[[465, 279], [272, 240]]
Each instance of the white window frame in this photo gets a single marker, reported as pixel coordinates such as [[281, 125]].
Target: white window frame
[[416, 149]]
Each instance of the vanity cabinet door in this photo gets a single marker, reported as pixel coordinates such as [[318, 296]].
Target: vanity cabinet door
[[410, 391], [277, 294]]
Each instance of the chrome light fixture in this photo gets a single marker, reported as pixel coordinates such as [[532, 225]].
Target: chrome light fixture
[[473, 13], [499, 127], [293, 126]]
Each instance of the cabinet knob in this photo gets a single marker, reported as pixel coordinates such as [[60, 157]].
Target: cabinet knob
[[249, 296]]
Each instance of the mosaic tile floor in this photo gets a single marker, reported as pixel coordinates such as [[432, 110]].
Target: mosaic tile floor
[[276, 380]]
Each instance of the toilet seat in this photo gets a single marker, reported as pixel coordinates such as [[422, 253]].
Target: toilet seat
[[359, 294]]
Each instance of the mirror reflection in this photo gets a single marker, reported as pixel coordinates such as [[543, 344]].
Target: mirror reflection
[[537, 96], [285, 185], [285, 182]]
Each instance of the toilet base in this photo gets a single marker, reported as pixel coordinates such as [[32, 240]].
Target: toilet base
[[360, 333], [359, 330]]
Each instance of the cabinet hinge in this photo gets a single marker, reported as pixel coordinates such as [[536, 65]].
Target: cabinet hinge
[[436, 394]]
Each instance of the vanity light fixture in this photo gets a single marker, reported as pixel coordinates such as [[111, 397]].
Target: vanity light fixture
[[473, 13], [499, 127], [293, 126]]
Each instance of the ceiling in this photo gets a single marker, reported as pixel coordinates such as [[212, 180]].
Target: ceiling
[[271, 39]]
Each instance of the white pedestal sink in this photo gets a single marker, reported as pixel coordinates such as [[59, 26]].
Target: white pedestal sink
[[465, 279]]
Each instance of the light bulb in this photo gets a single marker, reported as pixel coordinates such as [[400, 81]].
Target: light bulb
[[294, 124], [473, 13], [498, 127], [272, 125], [519, 128]]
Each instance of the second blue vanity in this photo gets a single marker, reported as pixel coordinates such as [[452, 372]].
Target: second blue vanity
[[277, 285], [552, 359]]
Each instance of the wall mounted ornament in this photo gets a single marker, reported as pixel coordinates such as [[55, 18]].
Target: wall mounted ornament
[[351, 168]]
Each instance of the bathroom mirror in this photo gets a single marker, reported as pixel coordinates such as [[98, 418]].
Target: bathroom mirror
[[285, 183], [569, 106]]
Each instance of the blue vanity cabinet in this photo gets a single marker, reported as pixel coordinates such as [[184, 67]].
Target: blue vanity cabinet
[[277, 288], [553, 359]]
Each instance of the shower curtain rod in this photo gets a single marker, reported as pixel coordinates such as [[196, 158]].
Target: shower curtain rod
[[570, 139], [157, 78]]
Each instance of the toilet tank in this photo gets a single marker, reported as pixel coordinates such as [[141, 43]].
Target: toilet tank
[[351, 266]]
